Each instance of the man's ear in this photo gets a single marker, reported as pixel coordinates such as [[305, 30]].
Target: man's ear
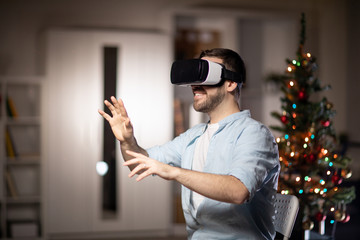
[[230, 85]]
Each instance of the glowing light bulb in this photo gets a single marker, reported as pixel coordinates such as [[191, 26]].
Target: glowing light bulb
[[289, 69], [292, 154], [102, 168], [278, 140], [297, 179], [306, 139], [308, 55], [291, 83]]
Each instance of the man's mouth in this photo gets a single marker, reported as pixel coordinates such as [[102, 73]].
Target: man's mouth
[[198, 91], [199, 94]]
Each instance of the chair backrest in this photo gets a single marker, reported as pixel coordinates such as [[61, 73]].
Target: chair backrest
[[286, 209]]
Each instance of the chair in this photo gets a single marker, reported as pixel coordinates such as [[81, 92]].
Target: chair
[[286, 210]]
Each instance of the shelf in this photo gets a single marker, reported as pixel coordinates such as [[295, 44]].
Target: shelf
[[20, 128], [23, 200], [23, 160], [13, 80], [23, 121]]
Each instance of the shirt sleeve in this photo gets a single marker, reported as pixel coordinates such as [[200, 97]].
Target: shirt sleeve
[[169, 153], [254, 157]]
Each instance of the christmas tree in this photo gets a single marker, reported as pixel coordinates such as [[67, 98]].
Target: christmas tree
[[312, 163]]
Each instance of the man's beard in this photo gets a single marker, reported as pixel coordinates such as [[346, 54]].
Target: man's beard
[[210, 103]]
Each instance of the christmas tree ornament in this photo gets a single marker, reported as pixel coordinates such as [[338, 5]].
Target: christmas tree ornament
[[346, 219], [308, 224], [302, 95], [319, 216], [291, 97], [336, 179], [346, 173], [311, 158], [325, 123], [339, 215], [284, 119], [329, 105]]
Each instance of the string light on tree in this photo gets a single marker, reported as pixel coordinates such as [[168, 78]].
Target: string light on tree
[[311, 166]]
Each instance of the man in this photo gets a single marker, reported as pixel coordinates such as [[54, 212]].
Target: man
[[228, 167]]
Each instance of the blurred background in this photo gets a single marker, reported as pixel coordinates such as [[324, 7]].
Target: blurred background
[[59, 59]]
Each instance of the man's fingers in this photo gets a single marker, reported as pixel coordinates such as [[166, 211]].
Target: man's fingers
[[110, 107], [142, 169], [122, 108], [116, 104], [138, 168], [131, 162], [134, 154], [143, 175], [104, 114]]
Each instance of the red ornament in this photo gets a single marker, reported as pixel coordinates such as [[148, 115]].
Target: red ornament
[[302, 95], [325, 123], [311, 158], [347, 218], [319, 216], [336, 179], [284, 119]]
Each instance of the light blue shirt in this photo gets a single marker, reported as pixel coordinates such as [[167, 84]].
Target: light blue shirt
[[245, 149]]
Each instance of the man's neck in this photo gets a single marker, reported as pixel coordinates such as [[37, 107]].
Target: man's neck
[[222, 112]]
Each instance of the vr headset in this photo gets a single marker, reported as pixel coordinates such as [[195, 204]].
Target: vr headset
[[201, 72]]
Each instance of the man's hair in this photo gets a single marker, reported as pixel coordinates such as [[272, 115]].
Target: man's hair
[[231, 60]]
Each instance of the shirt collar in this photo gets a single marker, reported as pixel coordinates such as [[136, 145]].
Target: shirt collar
[[235, 116], [230, 118]]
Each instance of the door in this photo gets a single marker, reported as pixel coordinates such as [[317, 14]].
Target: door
[[73, 129]]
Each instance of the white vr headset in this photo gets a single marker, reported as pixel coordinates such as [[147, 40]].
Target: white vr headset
[[201, 72]]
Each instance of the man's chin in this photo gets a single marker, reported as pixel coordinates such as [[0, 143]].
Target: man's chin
[[199, 108]]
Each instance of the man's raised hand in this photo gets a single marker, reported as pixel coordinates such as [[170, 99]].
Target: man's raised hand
[[119, 121]]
